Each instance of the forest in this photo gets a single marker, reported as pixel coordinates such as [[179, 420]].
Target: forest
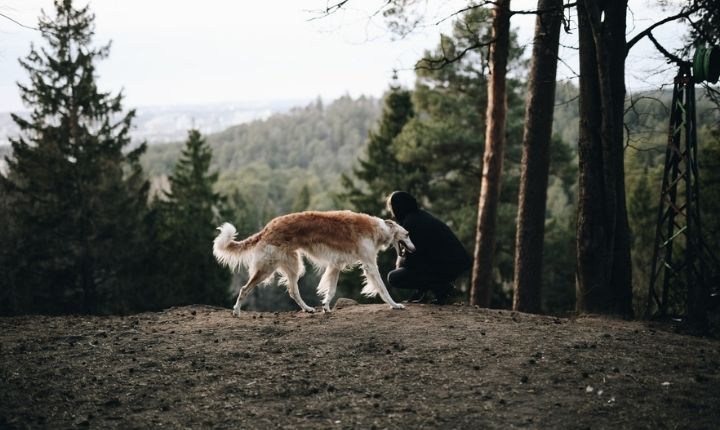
[[591, 212], [76, 187]]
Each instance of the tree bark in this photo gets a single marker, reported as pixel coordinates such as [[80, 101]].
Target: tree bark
[[537, 134], [604, 283], [481, 282]]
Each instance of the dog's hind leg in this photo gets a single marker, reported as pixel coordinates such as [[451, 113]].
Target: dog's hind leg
[[372, 274], [292, 269], [328, 286], [256, 277]]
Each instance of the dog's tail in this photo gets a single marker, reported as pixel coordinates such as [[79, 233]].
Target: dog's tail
[[230, 252]]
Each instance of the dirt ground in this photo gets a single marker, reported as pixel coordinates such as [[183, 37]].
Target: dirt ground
[[362, 366]]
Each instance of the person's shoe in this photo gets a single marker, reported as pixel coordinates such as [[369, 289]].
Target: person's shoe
[[444, 294], [418, 296]]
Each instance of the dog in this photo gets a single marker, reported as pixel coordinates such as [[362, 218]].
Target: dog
[[333, 241]]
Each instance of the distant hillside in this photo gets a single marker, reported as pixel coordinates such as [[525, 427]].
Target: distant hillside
[[278, 156], [162, 124]]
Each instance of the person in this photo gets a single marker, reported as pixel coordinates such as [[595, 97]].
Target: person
[[439, 257]]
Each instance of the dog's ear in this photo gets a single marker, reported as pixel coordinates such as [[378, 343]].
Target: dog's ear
[[392, 224]]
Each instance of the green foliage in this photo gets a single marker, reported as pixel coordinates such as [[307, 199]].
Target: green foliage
[[709, 166], [269, 162], [302, 199], [447, 134], [642, 211], [77, 196], [430, 143], [647, 117], [378, 171], [187, 217], [77, 234]]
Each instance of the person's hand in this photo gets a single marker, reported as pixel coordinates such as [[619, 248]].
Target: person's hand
[[401, 257]]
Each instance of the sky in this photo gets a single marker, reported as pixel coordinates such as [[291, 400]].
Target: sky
[[182, 52]]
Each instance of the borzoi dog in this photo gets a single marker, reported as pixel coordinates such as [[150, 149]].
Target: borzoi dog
[[331, 240]]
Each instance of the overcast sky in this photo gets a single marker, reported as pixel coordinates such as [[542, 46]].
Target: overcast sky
[[170, 52]]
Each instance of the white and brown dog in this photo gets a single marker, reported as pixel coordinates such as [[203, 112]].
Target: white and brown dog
[[331, 240]]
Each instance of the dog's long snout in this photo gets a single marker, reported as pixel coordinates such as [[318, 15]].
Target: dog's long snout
[[408, 245]]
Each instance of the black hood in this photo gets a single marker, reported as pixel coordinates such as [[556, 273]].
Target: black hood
[[400, 203]]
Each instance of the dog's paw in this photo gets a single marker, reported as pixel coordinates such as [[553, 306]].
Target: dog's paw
[[398, 306], [309, 310], [236, 311]]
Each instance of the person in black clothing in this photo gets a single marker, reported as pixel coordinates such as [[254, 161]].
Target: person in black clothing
[[439, 257]]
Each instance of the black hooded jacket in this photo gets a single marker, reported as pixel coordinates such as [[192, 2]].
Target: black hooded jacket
[[438, 250]]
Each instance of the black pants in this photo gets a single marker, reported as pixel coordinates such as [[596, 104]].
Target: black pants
[[418, 280]]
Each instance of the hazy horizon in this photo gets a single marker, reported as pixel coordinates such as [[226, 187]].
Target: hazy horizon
[[169, 53]]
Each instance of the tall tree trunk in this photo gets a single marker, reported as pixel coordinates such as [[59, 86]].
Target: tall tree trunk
[[537, 135], [481, 283], [604, 283]]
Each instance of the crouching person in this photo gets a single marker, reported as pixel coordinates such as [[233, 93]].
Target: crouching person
[[439, 257]]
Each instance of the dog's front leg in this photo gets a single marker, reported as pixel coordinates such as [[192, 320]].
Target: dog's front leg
[[373, 276]]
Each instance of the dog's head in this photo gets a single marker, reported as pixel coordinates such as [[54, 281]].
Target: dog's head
[[399, 237]]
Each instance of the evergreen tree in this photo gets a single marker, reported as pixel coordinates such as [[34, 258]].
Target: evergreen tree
[[496, 123], [188, 217], [78, 195], [447, 136], [709, 166], [642, 215], [302, 199], [379, 172], [537, 137], [604, 278]]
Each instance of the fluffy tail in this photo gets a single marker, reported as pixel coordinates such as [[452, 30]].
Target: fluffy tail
[[228, 251]]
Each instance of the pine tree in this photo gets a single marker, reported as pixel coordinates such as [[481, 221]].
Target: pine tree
[[604, 278], [642, 215], [189, 215], [301, 201], [539, 107], [446, 137], [79, 196], [379, 172], [481, 287]]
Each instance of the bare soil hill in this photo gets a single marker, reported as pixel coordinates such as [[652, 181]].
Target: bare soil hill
[[362, 366]]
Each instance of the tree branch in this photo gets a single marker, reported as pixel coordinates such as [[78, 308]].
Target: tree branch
[[671, 57], [684, 14], [466, 9], [439, 63], [541, 11], [16, 22], [329, 10]]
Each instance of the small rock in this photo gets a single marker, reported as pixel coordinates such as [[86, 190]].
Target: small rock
[[344, 303], [114, 402]]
